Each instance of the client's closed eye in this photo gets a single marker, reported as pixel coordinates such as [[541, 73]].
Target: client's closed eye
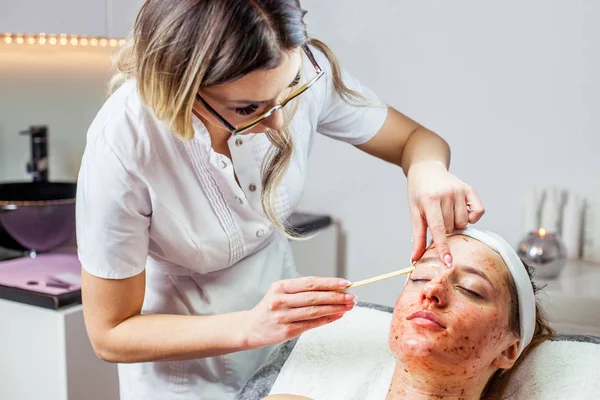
[[420, 279], [470, 292]]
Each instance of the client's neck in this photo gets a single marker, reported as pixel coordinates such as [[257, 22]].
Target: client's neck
[[424, 385]]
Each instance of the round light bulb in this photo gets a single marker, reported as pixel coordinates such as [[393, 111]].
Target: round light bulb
[[113, 42], [31, 40], [94, 42], [83, 42], [42, 40], [63, 41], [8, 40], [121, 42], [19, 40], [74, 41], [53, 41], [103, 42]]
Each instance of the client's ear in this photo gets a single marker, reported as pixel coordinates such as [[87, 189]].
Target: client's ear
[[507, 358]]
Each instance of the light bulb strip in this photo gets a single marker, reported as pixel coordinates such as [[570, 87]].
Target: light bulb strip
[[60, 40]]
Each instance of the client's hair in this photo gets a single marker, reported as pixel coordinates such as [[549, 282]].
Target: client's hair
[[498, 383]]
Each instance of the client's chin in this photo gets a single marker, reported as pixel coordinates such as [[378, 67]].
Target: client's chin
[[418, 342]]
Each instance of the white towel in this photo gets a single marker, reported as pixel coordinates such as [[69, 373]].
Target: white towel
[[350, 360], [558, 370]]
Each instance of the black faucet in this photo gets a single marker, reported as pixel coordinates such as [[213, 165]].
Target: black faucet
[[38, 165]]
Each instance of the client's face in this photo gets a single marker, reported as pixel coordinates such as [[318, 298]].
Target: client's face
[[455, 320]]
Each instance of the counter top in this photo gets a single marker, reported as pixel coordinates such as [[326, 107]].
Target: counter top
[[572, 300], [578, 278], [51, 280]]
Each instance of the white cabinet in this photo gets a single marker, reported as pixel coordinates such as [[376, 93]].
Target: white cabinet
[[121, 16], [46, 354], [77, 17]]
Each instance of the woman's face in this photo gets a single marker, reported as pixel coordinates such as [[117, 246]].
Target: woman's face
[[247, 98], [455, 320]]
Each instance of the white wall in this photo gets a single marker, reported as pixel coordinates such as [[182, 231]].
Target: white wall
[[513, 86], [62, 87]]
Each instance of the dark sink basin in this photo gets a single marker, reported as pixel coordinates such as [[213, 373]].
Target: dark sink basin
[[37, 216]]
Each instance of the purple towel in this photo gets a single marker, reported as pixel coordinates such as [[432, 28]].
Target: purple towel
[[61, 266]]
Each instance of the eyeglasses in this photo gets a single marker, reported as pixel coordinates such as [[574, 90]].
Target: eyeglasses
[[245, 127]]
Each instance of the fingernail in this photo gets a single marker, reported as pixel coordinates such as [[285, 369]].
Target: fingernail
[[355, 302], [350, 296], [448, 260], [344, 283]]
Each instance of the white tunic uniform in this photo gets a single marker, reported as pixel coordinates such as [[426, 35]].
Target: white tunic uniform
[[149, 200]]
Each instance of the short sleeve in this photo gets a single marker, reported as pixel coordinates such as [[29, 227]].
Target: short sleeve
[[112, 217], [346, 120]]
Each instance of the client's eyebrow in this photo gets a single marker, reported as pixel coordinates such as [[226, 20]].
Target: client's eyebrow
[[476, 271]]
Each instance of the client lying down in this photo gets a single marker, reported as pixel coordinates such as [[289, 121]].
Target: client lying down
[[459, 333]]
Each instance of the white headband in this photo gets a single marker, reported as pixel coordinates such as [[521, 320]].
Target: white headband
[[526, 297]]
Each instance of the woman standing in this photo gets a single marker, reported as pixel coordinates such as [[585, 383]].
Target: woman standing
[[190, 170]]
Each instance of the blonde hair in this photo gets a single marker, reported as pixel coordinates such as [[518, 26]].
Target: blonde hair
[[181, 46]]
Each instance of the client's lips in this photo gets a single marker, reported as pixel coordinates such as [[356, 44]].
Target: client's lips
[[427, 315]]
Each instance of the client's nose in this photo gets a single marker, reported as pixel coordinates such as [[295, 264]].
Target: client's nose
[[435, 291]]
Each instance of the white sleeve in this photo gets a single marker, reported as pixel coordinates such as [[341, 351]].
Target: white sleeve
[[113, 215], [343, 120]]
